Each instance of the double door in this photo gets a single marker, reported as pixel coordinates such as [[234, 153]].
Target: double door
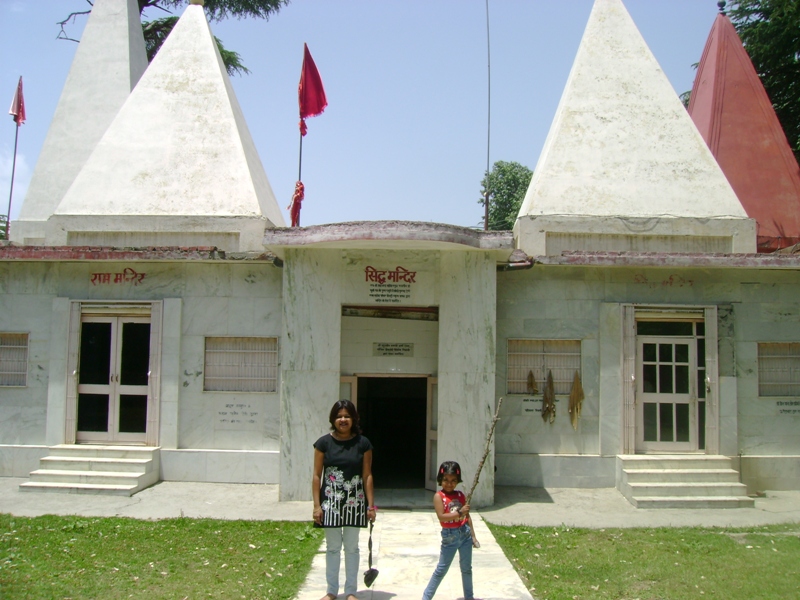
[[113, 379]]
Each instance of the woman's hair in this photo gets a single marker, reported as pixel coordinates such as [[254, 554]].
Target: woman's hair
[[351, 409], [448, 467]]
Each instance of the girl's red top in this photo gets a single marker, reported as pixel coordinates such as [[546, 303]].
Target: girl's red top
[[452, 502]]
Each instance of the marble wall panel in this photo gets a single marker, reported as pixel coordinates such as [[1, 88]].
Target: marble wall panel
[[306, 400], [467, 354], [21, 424], [256, 280], [205, 316], [170, 372], [540, 470], [776, 472], [57, 375]]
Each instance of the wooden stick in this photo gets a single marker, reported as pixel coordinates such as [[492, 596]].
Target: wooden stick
[[486, 451]]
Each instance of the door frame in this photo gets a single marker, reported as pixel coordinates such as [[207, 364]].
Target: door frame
[[351, 382], [153, 310], [708, 314]]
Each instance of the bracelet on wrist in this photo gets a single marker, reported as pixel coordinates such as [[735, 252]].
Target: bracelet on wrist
[[375, 508]]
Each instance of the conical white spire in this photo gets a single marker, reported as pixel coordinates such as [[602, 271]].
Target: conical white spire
[[178, 165], [110, 59], [622, 146]]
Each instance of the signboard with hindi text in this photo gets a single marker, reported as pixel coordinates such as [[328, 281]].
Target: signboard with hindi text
[[392, 349]]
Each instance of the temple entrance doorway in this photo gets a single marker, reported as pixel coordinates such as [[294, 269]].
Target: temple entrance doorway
[[393, 413]]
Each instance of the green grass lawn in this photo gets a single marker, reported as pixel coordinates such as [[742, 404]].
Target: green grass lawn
[[649, 564], [79, 557], [109, 558]]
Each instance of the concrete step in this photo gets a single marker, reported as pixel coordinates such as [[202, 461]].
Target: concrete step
[[692, 502], [95, 469], [93, 450], [85, 463], [687, 489], [78, 488], [687, 475], [674, 461], [99, 477]]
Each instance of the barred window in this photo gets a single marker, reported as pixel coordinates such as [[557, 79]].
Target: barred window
[[561, 357], [13, 359], [779, 369], [241, 364]]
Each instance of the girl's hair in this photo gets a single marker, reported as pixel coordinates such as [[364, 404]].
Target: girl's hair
[[448, 467], [351, 409]]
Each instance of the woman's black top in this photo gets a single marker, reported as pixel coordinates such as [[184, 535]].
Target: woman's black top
[[342, 495]]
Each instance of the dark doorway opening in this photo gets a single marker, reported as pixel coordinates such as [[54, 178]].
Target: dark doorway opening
[[393, 412]]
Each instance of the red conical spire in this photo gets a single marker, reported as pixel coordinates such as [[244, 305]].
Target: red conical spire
[[735, 117]]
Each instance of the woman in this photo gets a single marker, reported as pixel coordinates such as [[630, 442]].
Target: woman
[[342, 491]]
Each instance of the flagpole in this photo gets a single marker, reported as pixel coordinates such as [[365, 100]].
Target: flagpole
[[11, 191], [300, 161]]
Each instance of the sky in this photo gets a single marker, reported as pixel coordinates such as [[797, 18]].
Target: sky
[[404, 136]]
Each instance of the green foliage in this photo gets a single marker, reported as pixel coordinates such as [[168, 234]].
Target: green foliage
[[115, 558], [157, 30], [770, 31], [506, 183], [217, 10], [674, 563], [3, 220]]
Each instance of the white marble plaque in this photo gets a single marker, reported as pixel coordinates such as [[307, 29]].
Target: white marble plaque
[[788, 407], [531, 406], [238, 414]]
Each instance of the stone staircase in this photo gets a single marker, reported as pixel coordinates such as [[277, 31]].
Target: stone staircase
[[91, 469], [680, 481]]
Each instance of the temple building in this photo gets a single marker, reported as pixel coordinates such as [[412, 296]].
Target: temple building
[[161, 321]]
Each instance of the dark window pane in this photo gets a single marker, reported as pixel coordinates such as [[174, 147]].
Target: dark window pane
[[681, 422], [95, 358], [665, 379], [681, 353], [665, 418], [650, 422], [701, 353], [701, 425], [135, 353], [132, 414], [665, 352], [681, 379], [701, 383], [649, 352], [664, 328], [92, 412], [649, 379], [700, 328]]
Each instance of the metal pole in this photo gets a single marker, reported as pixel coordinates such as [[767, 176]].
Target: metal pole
[[300, 161], [488, 119], [11, 191]]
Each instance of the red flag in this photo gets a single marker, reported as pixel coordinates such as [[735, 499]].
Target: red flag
[[17, 109], [311, 94]]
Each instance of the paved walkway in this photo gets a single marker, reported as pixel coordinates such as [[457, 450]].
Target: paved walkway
[[405, 542]]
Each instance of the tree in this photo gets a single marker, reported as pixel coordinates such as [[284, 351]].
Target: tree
[[157, 30], [506, 183], [770, 32]]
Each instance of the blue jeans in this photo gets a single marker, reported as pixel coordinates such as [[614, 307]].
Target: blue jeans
[[334, 536], [453, 539]]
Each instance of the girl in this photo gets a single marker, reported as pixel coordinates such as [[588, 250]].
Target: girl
[[342, 491], [457, 532]]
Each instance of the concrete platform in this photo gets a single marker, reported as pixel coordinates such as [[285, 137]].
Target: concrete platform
[[405, 540]]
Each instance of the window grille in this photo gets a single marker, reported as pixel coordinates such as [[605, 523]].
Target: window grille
[[779, 369], [561, 357], [13, 359], [241, 364]]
